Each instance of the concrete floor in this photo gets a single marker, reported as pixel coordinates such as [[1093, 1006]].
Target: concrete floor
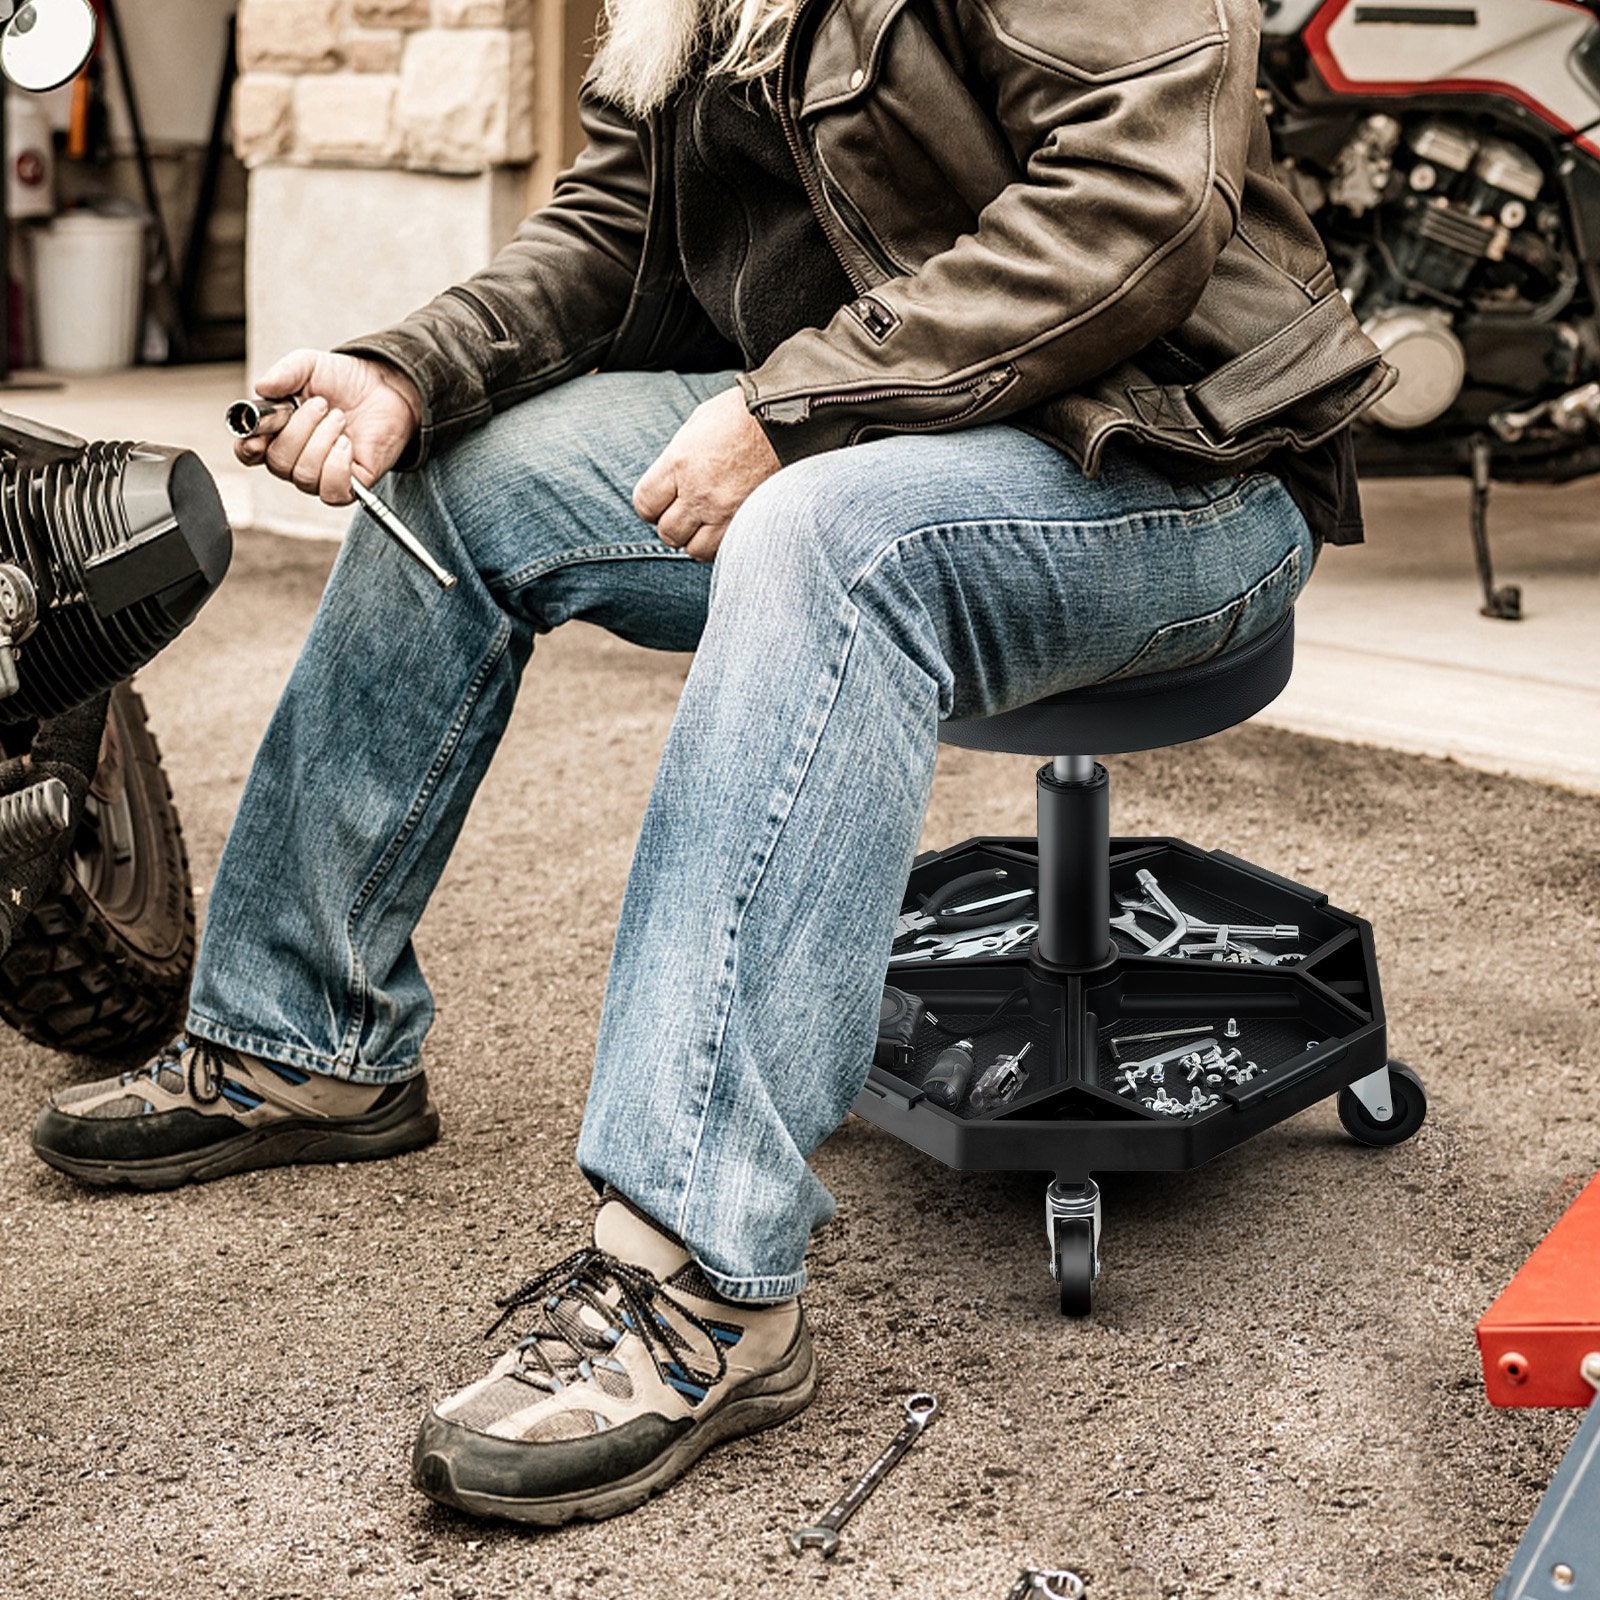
[[1391, 649], [212, 1393]]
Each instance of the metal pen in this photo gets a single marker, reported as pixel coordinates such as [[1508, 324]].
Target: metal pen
[[259, 419]]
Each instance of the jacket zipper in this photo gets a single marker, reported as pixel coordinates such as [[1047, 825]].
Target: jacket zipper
[[808, 178], [487, 320], [989, 380], [850, 216], [832, 228]]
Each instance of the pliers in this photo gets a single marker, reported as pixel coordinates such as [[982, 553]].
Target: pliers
[[950, 925], [937, 914]]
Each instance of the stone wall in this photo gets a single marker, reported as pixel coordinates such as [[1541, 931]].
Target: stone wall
[[393, 147], [444, 86]]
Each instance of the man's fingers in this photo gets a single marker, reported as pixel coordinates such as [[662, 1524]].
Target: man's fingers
[[655, 491], [335, 488], [287, 375], [677, 525], [252, 452], [707, 541], [308, 469], [291, 438]]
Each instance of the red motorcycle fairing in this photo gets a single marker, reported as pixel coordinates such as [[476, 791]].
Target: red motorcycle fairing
[[1515, 49]]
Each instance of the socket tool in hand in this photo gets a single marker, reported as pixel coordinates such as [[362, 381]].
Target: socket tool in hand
[[260, 419], [920, 1410]]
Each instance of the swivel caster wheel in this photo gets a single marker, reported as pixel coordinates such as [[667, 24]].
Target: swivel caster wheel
[[1379, 1112], [1072, 1221], [1074, 1265]]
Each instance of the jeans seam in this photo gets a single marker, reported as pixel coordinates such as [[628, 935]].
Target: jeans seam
[[425, 793], [639, 551], [356, 992], [1167, 515], [254, 1044], [793, 779], [772, 1286]]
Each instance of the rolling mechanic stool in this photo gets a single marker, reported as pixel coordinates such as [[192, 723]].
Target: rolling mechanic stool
[[1268, 968]]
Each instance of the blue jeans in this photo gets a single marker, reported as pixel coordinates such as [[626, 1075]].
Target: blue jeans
[[858, 598]]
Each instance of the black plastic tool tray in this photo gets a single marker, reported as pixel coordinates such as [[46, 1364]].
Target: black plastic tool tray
[[1315, 1025]]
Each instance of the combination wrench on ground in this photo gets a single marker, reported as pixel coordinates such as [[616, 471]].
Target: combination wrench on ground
[[920, 1410]]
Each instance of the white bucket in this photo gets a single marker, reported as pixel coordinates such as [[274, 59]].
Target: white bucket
[[89, 272]]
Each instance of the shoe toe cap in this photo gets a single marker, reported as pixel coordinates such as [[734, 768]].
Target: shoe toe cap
[[64, 1132], [465, 1468]]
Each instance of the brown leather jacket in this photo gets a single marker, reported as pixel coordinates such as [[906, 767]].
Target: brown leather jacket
[[1060, 213]]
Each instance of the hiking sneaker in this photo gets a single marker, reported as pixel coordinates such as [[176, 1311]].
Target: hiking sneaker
[[198, 1111], [630, 1371]]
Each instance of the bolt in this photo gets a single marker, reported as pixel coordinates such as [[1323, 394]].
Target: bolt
[[1231, 1031], [1561, 1575]]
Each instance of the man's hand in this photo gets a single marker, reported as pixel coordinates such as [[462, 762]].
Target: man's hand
[[705, 474], [356, 416]]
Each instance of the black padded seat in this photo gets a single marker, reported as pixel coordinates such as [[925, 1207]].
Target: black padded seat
[[1144, 713]]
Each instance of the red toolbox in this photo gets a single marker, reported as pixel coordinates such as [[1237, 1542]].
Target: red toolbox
[[1540, 1343]]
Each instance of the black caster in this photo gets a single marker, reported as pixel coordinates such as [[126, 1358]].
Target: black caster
[[1379, 1112], [1072, 1221]]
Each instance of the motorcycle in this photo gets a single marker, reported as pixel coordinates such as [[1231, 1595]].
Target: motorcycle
[[1448, 152], [107, 551]]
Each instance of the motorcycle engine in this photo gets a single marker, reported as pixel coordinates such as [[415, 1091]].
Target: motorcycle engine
[[1455, 230], [107, 552]]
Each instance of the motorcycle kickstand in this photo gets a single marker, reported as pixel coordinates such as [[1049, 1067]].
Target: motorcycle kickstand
[[1505, 603]]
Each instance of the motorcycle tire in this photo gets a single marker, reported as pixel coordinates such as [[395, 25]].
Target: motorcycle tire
[[102, 965]]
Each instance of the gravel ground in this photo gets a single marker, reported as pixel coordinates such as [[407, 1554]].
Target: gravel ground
[[212, 1393]]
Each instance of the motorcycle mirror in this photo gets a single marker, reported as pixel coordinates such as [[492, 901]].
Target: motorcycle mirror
[[46, 43]]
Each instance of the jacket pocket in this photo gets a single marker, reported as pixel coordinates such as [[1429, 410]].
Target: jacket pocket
[[1197, 639], [480, 313]]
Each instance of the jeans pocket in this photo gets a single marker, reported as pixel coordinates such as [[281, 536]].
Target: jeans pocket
[[1196, 639]]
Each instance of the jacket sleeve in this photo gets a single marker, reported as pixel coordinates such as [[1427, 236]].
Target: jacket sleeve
[[1130, 185], [545, 309]]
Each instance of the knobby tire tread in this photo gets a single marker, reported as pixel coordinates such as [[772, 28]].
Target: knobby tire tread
[[72, 979]]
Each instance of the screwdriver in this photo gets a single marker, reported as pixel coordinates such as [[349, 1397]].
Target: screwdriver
[[259, 419], [947, 1080]]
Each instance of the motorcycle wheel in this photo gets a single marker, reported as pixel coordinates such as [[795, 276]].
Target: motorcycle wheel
[[102, 965]]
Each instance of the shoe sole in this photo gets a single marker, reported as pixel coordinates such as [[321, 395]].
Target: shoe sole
[[763, 1401], [297, 1141]]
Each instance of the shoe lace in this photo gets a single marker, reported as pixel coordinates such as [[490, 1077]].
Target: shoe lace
[[586, 1278], [201, 1072]]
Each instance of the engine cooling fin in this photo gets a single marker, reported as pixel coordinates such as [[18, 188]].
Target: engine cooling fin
[[122, 545]]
